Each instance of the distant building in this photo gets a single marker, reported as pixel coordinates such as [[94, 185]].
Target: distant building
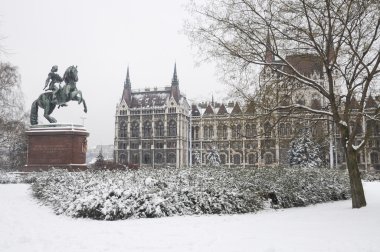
[[151, 126], [107, 152]]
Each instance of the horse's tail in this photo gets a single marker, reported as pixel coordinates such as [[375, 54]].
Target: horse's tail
[[34, 113]]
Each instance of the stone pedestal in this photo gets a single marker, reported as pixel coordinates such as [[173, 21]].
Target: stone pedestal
[[56, 145]]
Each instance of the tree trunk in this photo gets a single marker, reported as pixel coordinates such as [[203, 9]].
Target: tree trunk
[[357, 192]]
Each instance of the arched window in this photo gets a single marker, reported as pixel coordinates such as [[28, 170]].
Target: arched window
[[205, 132], [159, 127], [315, 102], [225, 132], [233, 131], [196, 132], [159, 158], [236, 159], [219, 131], [135, 129], [171, 158], [211, 131], [172, 128], [123, 129], [146, 158], [238, 131], [147, 129], [222, 158], [251, 159], [122, 159], [135, 158], [288, 129], [268, 157], [267, 129], [281, 129], [374, 158], [248, 130]]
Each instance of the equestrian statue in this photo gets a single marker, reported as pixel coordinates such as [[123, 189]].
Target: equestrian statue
[[57, 95]]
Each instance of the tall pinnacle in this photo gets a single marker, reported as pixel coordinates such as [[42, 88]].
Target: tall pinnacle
[[127, 82], [175, 85], [268, 53], [175, 78], [127, 93]]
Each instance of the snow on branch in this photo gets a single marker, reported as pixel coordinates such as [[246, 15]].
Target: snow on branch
[[299, 106]]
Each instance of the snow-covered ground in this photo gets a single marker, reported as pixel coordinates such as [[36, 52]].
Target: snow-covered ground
[[27, 226]]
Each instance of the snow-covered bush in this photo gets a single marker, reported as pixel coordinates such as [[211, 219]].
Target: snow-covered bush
[[17, 177], [213, 158], [370, 176], [197, 158], [304, 152], [149, 193]]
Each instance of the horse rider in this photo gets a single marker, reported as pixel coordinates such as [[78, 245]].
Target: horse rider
[[53, 78]]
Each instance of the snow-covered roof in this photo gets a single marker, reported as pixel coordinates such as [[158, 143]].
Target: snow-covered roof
[[149, 99]]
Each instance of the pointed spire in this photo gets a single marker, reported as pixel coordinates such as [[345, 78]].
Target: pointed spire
[[127, 92], [127, 82], [175, 85], [212, 100], [175, 78], [269, 57]]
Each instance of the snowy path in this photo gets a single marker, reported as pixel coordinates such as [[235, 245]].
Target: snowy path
[[27, 226]]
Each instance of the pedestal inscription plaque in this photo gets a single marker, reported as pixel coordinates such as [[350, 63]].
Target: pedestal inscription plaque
[[56, 145]]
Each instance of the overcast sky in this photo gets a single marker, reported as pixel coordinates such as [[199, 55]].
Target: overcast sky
[[102, 38]]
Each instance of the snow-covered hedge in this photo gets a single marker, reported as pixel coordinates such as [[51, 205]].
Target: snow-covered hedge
[[370, 176], [146, 193], [16, 177]]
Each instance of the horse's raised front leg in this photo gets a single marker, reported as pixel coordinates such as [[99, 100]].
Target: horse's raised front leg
[[84, 106], [76, 96]]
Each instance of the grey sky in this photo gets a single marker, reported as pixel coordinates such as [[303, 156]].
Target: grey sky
[[102, 38]]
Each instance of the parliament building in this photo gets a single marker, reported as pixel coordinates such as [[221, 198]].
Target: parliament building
[[157, 127]]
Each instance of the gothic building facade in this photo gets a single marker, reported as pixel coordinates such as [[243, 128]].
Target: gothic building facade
[[151, 126], [246, 136], [157, 127]]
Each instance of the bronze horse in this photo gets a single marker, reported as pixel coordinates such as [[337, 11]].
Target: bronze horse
[[68, 92]]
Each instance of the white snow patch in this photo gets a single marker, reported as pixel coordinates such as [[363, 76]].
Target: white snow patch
[[25, 225], [356, 147], [341, 122]]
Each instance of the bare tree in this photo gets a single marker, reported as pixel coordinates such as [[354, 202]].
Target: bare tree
[[342, 36], [12, 118]]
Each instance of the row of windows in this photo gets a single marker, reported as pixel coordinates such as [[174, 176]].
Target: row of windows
[[147, 129], [137, 112], [236, 159], [159, 158], [157, 145], [222, 131]]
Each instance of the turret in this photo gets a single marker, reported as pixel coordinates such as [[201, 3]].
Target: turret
[[269, 57], [127, 93], [175, 93]]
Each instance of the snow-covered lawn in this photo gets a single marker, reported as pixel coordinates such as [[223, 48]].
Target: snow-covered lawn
[[27, 226]]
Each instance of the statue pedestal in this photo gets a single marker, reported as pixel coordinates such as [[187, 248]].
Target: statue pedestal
[[56, 145]]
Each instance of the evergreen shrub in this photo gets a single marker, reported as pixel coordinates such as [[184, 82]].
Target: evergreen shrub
[[151, 193]]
